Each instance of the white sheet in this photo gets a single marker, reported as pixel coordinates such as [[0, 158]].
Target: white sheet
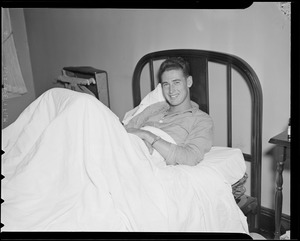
[[70, 165]]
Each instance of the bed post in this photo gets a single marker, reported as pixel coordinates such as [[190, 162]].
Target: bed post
[[256, 133]]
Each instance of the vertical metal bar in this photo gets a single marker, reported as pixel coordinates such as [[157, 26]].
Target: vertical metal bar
[[229, 106], [207, 85], [151, 74]]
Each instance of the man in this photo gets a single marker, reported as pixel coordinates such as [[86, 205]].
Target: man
[[181, 118]]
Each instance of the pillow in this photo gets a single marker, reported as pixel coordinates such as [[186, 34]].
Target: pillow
[[227, 161], [153, 97]]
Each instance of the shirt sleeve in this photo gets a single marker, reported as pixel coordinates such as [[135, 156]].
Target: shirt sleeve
[[198, 142]]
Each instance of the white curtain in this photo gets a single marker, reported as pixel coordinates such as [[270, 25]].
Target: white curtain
[[12, 80]]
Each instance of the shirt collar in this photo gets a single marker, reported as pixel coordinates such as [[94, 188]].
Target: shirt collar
[[193, 109]]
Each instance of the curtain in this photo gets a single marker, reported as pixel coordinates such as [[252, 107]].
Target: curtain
[[12, 80]]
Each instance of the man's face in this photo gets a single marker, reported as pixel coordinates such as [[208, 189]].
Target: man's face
[[175, 88]]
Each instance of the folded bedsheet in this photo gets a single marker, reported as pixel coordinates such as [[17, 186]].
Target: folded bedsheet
[[69, 164]]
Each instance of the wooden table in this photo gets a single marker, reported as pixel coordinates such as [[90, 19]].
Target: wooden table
[[282, 141]]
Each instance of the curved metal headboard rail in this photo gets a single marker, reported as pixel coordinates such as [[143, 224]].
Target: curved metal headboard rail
[[231, 61]]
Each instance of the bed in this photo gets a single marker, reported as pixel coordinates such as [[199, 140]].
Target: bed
[[70, 165], [199, 61]]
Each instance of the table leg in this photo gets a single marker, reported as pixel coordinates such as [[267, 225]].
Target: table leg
[[278, 195]]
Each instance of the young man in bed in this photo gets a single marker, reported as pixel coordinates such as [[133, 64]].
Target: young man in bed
[[70, 165], [181, 118]]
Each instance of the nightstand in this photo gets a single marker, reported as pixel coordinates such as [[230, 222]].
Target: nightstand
[[99, 89], [280, 140]]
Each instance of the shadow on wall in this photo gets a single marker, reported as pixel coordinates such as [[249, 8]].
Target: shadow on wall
[[276, 154]]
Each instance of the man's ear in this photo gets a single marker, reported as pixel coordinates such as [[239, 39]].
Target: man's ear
[[189, 81]]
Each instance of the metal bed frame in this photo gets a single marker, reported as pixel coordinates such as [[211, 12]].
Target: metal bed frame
[[199, 60]]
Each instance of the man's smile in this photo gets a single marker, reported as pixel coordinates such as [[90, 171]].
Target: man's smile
[[173, 96]]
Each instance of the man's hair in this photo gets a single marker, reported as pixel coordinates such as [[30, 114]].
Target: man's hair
[[174, 63]]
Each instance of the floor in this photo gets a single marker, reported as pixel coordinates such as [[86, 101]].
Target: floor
[[263, 234], [268, 235], [257, 236]]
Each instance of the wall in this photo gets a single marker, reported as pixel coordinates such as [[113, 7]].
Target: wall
[[11, 108], [115, 39]]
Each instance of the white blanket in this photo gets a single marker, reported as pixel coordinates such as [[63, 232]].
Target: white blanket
[[69, 164]]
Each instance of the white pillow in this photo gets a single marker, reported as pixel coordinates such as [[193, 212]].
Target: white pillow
[[227, 161], [153, 97]]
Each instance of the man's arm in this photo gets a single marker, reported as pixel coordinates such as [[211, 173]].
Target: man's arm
[[190, 153], [199, 142], [152, 141]]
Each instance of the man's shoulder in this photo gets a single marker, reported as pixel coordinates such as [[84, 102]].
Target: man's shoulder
[[197, 110], [202, 113], [158, 107], [202, 116]]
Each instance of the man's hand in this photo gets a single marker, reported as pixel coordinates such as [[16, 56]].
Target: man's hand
[[144, 135], [150, 148]]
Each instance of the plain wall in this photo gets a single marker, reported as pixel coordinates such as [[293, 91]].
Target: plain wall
[[12, 108], [115, 39]]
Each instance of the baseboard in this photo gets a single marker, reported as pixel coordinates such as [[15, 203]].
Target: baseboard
[[267, 221]]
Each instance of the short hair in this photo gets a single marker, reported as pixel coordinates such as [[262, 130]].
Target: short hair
[[174, 63]]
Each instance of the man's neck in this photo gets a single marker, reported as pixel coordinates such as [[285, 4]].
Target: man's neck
[[180, 108]]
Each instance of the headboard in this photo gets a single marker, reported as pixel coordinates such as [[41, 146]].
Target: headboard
[[199, 91]]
